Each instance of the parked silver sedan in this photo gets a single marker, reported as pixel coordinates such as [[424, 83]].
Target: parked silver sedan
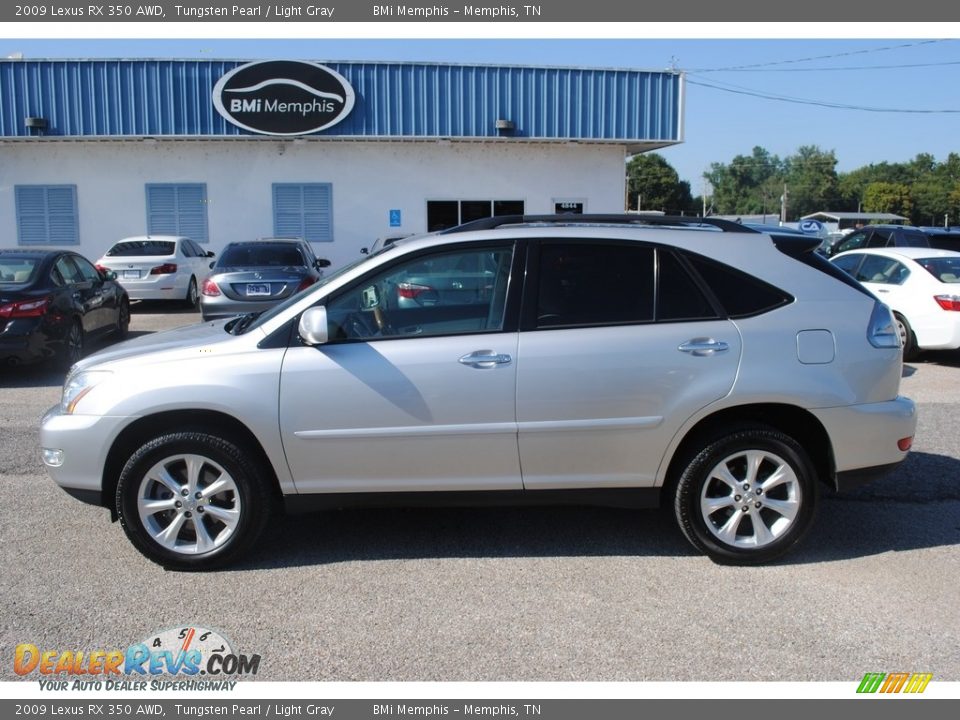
[[254, 276], [622, 360]]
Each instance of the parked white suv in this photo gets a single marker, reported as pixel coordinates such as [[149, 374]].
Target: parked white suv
[[627, 360]]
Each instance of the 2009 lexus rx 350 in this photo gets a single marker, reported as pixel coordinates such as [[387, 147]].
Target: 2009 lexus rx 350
[[634, 360]]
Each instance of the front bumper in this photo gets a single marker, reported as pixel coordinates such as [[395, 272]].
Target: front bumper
[[83, 442]]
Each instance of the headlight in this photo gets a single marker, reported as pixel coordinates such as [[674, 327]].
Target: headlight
[[77, 386]]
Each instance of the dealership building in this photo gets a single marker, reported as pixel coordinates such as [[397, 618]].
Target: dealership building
[[339, 153]]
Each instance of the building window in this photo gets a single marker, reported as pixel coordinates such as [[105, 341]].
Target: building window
[[47, 215], [443, 214], [177, 209], [303, 211]]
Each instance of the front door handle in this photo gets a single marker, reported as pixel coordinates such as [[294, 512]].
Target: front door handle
[[703, 347], [485, 359]]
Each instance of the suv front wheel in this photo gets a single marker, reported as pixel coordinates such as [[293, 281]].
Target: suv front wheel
[[192, 500], [747, 497]]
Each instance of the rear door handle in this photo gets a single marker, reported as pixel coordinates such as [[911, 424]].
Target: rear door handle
[[485, 359], [703, 347]]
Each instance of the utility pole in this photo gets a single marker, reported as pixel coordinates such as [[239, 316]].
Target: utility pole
[[783, 205]]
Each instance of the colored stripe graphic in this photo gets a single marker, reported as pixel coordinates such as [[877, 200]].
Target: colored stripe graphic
[[871, 682], [918, 682], [894, 682]]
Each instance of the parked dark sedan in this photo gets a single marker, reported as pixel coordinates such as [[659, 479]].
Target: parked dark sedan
[[52, 302], [255, 275]]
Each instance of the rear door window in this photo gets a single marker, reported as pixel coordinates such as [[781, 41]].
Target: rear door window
[[594, 284]]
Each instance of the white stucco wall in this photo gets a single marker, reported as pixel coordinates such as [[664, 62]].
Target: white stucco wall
[[369, 179]]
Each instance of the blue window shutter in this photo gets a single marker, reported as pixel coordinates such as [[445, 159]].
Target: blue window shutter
[[174, 209], [47, 215], [303, 210]]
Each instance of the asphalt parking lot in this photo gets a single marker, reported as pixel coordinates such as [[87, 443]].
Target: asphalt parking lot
[[565, 594]]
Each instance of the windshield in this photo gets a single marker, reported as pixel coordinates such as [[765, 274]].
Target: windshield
[[18, 270], [141, 248], [238, 328]]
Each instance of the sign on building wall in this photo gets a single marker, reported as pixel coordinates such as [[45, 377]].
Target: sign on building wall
[[283, 97]]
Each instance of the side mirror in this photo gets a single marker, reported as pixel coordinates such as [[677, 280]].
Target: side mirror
[[322, 263], [211, 253], [364, 251], [108, 275], [313, 328], [212, 264]]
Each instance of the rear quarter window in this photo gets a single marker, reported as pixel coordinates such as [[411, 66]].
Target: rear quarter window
[[741, 295]]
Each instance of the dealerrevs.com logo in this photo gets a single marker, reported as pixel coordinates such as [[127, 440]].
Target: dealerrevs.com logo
[[197, 659], [283, 97]]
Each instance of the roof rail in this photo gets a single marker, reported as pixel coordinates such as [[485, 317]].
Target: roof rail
[[490, 223]]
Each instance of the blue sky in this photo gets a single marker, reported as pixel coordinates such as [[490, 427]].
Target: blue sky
[[919, 74]]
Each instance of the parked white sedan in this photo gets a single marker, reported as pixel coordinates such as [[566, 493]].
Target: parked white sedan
[[920, 285], [159, 267]]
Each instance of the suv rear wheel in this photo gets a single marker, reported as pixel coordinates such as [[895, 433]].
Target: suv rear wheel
[[192, 500], [747, 497]]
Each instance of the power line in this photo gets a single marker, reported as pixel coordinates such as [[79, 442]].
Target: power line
[[738, 90], [819, 57], [843, 68]]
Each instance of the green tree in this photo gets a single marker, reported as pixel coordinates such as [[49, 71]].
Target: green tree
[[812, 181], [749, 185], [653, 184], [888, 197]]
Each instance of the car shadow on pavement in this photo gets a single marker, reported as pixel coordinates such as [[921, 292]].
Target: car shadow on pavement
[[947, 358], [915, 507], [910, 509], [48, 374], [360, 534], [31, 376], [159, 307]]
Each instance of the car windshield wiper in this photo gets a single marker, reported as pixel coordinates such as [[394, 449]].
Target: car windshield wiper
[[236, 327]]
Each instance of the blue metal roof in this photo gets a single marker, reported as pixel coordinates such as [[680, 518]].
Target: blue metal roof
[[172, 98]]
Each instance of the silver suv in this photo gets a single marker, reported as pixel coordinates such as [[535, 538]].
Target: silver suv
[[627, 360]]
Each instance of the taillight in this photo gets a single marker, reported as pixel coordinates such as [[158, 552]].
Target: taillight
[[165, 269], [948, 302], [101, 269], [210, 288], [25, 308], [882, 330], [305, 283], [411, 291]]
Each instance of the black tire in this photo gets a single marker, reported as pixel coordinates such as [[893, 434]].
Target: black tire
[[232, 516], [73, 345], [192, 299], [907, 338], [712, 512], [123, 321]]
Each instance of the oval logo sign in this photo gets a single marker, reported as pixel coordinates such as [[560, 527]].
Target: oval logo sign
[[811, 227], [283, 97]]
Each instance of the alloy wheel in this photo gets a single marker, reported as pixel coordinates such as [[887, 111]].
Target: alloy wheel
[[750, 499], [189, 504]]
